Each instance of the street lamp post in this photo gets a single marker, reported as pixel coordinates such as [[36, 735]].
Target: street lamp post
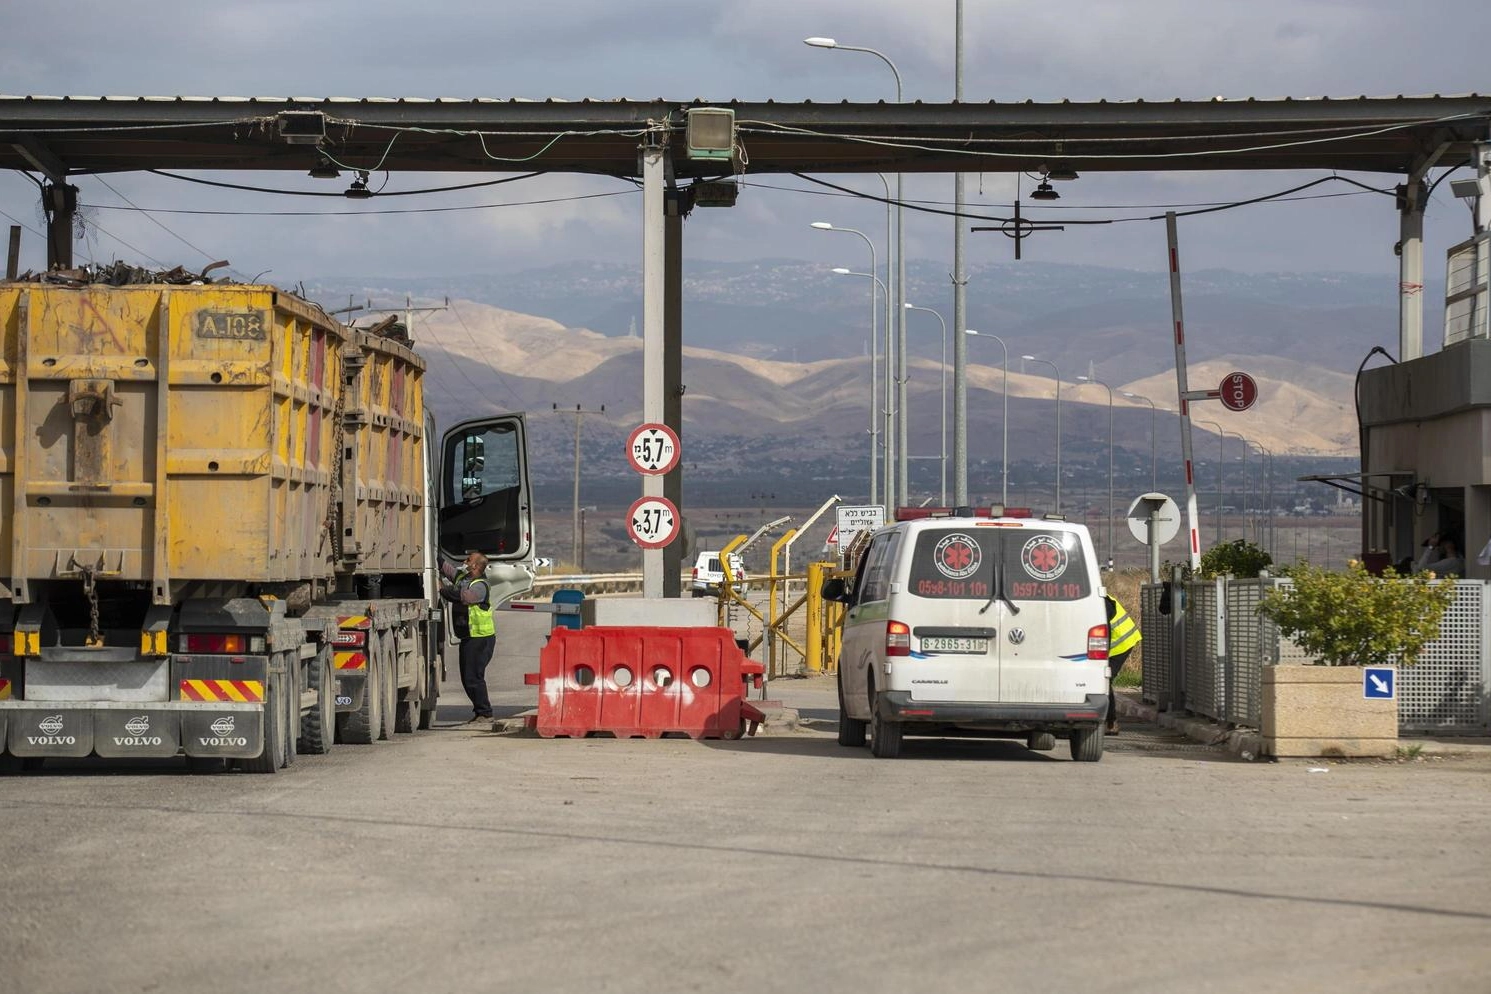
[[1154, 473], [1221, 438], [1004, 448], [1056, 375], [897, 447], [1094, 379], [943, 450], [889, 505], [874, 358]]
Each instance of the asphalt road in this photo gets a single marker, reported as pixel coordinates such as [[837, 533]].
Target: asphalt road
[[458, 860]]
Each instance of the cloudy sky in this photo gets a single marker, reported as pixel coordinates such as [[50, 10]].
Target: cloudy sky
[[752, 50]]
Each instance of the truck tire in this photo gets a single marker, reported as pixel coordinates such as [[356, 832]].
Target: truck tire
[[390, 684], [318, 726], [272, 756], [291, 682], [361, 727], [1087, 744], [407, 719], [851, 730]]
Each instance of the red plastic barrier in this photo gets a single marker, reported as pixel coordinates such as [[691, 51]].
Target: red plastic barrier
[[645, 682]]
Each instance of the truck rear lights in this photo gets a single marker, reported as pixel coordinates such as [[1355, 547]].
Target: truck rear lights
[[222, 644], [1097, 642], [897, 638]]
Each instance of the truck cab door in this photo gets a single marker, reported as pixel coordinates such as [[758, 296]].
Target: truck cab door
[[485, 501]]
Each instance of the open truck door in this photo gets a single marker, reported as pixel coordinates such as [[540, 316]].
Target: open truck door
[[485, 501]]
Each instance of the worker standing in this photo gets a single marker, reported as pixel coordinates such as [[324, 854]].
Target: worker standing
[[467, 588], [1123, 637]]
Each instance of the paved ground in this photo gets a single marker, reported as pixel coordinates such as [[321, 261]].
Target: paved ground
[[459, 860]]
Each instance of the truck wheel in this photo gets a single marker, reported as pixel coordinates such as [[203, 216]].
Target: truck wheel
[[318, 726], [361, 727], [1087, 744], [291, 682], [1040, 741], [885, 736], [851, 730], [272, 756], [390, 685]]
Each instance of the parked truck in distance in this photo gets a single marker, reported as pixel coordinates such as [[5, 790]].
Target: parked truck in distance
[[221, 518]]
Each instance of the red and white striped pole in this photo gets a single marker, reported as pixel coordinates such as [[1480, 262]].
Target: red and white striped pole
[[1183, 394]]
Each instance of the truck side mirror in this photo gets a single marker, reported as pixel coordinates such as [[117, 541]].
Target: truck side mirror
[[473, 460], [834, 589]]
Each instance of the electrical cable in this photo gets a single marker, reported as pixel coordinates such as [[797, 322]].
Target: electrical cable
[[319, 193], [391, 210], [195, 248], [1097, 221]]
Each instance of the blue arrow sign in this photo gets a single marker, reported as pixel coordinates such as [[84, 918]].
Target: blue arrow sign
[[1379, 683]]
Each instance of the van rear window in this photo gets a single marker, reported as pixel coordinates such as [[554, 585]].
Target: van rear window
[[1039, 565]]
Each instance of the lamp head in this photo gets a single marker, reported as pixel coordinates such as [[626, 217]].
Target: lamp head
[[1029, 357], [323, 169], [969, 331], [908, 307], [1044, 192], [820, 42], [359, 188], [1062, 174], [821, 226], [842, 271]]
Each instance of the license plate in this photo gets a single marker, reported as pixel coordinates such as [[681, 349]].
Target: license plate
[[943, 644]]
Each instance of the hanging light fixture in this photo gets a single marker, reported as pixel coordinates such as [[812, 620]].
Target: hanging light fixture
[[1044, 192], [1062, 174], [324, 169], [359, 188]]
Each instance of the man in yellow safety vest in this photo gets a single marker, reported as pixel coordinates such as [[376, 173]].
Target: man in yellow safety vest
[[471, 618], [1123, 636]]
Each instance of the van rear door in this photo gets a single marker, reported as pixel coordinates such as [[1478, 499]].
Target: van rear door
[[1048, 575], [954, 627]]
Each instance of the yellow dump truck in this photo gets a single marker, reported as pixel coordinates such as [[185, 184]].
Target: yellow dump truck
[[221, 518]]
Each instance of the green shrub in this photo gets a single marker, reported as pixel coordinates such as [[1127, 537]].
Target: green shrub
[[1239, 558], [1354, 618]]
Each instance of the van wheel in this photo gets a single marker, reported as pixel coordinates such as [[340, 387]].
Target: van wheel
[[1087, 744], [885, 736], [851, 730], [1040, 741]]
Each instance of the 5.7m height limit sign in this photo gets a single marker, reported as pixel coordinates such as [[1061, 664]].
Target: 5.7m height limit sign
[[652, 449]]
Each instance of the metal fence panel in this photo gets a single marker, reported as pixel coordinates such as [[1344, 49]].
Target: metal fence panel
[[1446, 689], [1248, 650], [1205, 689], [1157, 644]]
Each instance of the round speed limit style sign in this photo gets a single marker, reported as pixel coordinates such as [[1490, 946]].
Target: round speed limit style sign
[[652, 522], [652, 449]]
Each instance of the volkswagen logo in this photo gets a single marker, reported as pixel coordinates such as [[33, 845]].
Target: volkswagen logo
[[138, 725], [223, 726], [1017, 635]]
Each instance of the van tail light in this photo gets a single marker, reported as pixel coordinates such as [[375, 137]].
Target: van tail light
[[1097, 642], [897, 638], [695, 573]]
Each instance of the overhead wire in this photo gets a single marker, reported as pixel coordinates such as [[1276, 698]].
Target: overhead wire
[[158, 223], [320, 193], [392, 210]]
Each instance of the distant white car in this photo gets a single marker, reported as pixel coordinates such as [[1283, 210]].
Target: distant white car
[[708, 573]]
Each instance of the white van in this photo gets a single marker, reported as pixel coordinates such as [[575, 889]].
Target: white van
[[983, 625]]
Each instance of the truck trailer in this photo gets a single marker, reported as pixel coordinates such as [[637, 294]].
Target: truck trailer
[[221, 519]]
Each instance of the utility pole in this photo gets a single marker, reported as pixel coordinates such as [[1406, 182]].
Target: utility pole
[[960, 291], [580, 414]]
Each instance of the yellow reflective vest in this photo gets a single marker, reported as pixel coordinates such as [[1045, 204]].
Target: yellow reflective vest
[[479, 623], [1123, 633]]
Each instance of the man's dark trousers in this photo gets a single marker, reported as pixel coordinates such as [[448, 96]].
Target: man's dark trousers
[[476, 653]]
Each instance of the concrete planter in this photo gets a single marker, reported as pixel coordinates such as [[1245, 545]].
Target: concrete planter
[[1320, 711]]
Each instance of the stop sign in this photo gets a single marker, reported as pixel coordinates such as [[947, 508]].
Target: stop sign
[[1239, 391]]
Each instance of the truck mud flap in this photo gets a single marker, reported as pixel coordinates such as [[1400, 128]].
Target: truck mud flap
[[231, 734], [46, 731], [350, 688], [130, 733]]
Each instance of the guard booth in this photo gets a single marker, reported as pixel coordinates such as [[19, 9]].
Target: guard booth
[[1426, 427]]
